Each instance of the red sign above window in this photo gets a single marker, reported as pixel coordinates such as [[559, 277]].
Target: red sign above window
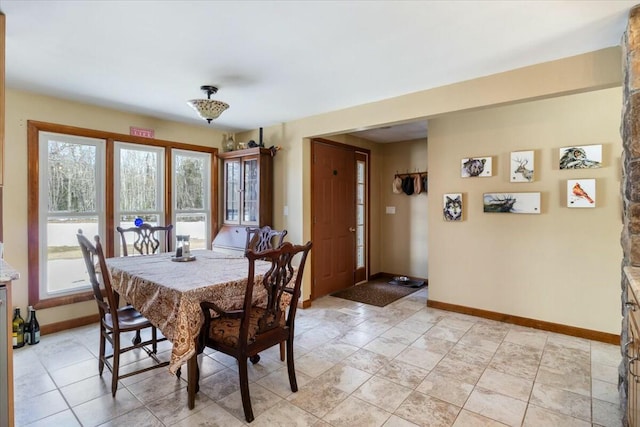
[[146, 133]]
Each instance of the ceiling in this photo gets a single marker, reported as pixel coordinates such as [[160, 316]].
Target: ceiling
[[278, 61]]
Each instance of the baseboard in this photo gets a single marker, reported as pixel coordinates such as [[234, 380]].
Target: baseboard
[[69, 324], [531, 323]]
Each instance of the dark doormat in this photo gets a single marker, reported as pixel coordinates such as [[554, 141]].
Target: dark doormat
[[375, 293]]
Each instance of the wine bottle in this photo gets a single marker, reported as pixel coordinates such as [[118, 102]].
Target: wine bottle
[[18, 329], [27, 326], [34, 328]]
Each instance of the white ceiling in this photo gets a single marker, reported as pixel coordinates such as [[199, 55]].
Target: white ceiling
[[277, 61]]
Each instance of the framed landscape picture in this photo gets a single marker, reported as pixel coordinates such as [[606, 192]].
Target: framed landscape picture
[[475, 166], [521, 166], [581, 157], [581, 193], [518, 203]]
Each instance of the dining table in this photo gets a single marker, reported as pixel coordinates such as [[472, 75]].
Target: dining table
[[168, 291]]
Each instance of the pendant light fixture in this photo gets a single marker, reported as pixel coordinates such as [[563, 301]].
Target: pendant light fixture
[[209, 109]]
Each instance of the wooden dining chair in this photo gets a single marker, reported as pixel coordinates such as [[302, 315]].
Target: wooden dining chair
[[147, 238], [260, 239], [245, 332], [115, 320]]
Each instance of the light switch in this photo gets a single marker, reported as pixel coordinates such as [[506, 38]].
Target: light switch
[[285, 211], [391, 210]]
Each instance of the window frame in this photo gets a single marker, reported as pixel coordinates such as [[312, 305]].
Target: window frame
[[108, 235]]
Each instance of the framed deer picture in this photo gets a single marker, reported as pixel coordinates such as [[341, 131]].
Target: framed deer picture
[[522, 166]]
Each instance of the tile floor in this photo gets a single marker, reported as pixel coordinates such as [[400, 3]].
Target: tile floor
[[357, 365]]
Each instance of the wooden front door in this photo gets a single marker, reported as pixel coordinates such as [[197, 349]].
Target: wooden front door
[[333, 211]]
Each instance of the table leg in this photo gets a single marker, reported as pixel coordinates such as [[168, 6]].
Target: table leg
[[193, 385]]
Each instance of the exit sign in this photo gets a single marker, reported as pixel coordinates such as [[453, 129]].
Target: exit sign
[[146, 133]]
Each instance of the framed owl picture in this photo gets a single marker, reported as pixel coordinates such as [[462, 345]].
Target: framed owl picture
[[581, 157]]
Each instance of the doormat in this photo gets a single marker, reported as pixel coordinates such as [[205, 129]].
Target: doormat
[[375, 293]]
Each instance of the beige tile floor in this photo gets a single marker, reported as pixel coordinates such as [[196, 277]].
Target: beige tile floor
[[357, 365]]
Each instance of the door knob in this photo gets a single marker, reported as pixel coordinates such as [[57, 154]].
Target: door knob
[[351, 229]]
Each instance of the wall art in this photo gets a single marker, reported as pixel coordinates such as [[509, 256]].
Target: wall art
[[582, 157], [475, 166], [519, 203], [521, 166], [581, 193], [452, 206]]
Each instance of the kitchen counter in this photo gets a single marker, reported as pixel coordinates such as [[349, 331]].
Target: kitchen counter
[[7, 273]]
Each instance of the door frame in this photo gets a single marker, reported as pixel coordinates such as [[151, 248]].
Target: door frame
[[356, 150]]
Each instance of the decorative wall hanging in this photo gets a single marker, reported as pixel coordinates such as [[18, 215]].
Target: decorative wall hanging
[[521, 166], [519, 203], [582, 157], [475, 166], [452, 206], [581, 193]]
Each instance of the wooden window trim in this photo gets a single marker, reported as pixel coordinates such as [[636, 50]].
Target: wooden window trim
[[33, 130]]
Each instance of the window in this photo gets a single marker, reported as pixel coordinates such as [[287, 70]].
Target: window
[[139, 185], [192, 204], [72, 180], [96, 180]]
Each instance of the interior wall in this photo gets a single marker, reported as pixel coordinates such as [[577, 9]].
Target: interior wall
[[24, 106], [403, 234], [562, 265]]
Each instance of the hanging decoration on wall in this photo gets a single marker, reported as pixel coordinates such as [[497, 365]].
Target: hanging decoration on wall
[[582, 157], [452, 206], [522, 166], [581, 193], [475, 167], [520, 203]]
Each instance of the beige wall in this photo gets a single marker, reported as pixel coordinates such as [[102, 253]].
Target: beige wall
[[403, 235], [583, 73], [561, 266]]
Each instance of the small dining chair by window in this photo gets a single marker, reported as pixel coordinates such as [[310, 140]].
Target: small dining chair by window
[[146, 238], [260, 239], [245, 332], [115, 320]]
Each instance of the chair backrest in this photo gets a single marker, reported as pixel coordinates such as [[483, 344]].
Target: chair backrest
[[260, 239], [277, 281], [146, 238], [99, 277]]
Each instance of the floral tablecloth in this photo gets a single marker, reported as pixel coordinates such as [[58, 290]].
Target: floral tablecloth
[[169, 293]]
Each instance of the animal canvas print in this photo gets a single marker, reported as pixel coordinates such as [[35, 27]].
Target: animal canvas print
[[475, 166], [522, 166], [452, 207], [583, 157], [519, 203], [581, 193]]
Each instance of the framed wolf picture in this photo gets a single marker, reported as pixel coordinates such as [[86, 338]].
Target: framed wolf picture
[[452, 207]]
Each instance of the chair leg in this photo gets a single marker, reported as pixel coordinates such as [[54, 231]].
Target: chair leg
[[290, 367], [116, 363], [154, 339], [244, 389], [282, 351], [137, 339], [102, 349]]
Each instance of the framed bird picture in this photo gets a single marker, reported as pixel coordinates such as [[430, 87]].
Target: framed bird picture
[[581, 157], [581, 193]]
